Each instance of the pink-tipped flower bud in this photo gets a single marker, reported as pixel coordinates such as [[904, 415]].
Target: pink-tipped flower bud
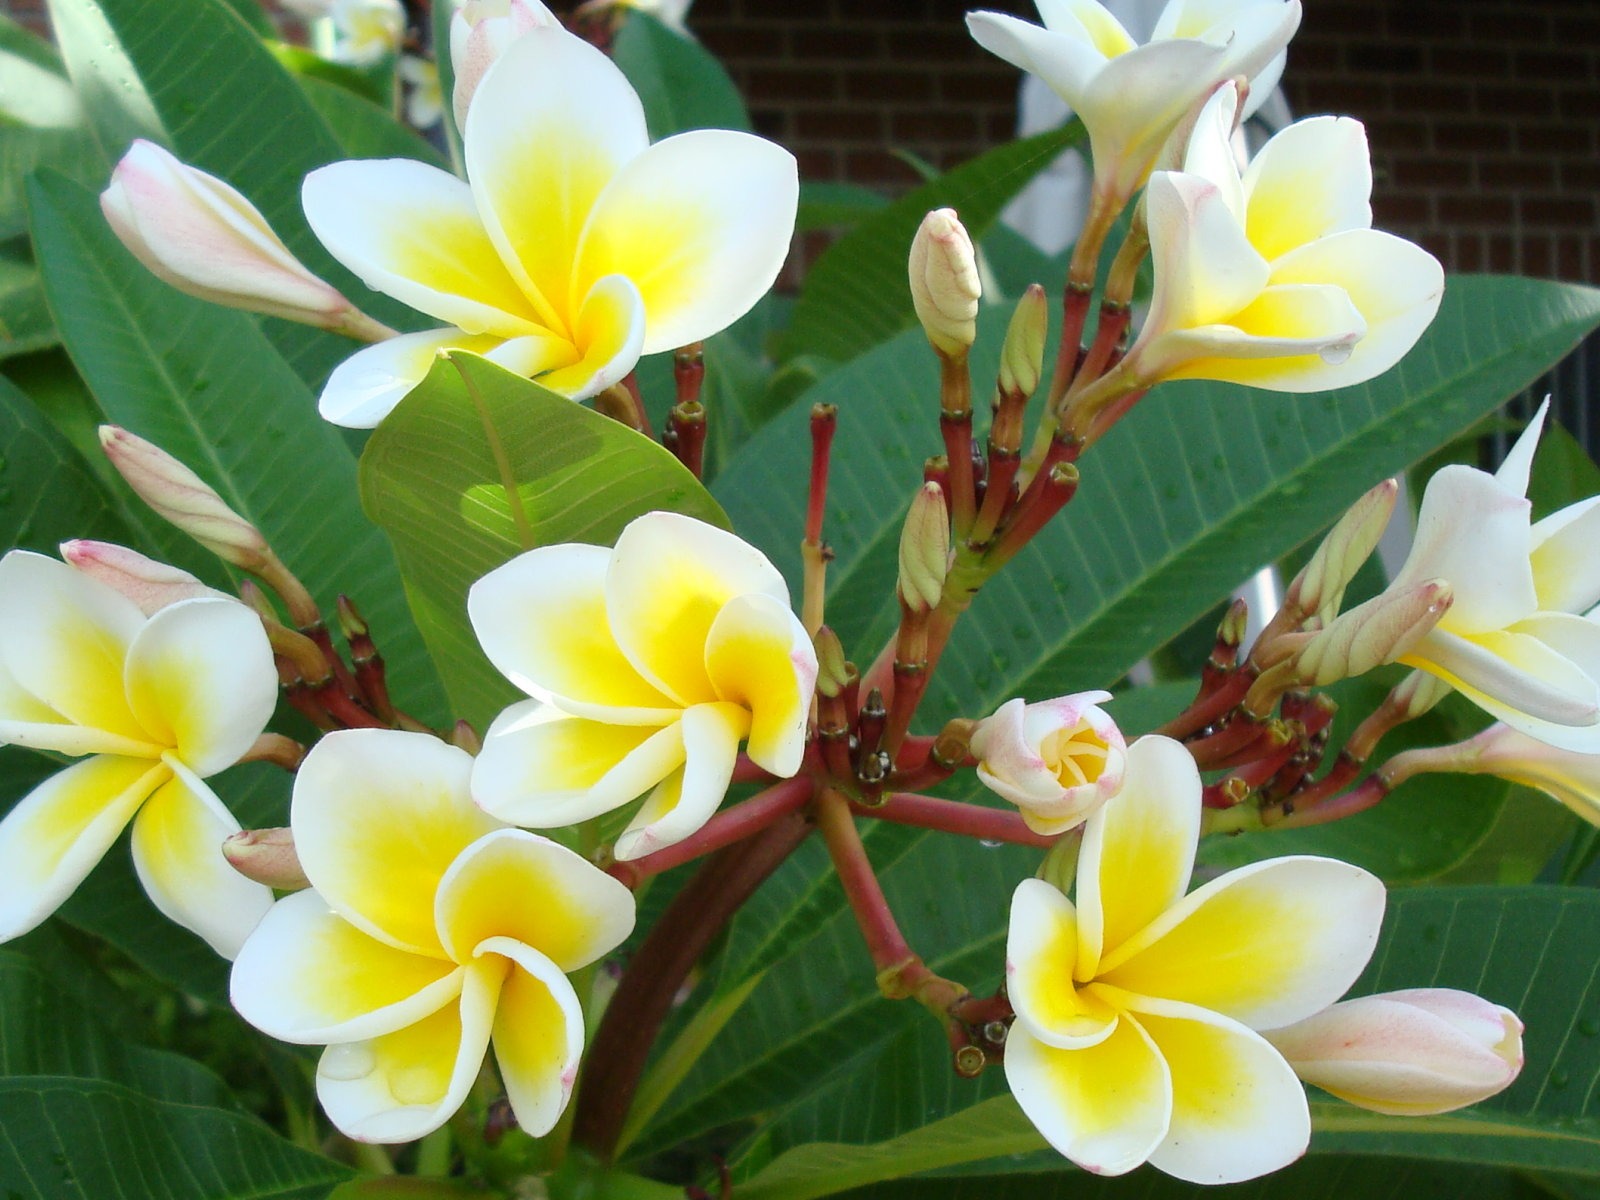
[[1568, 776], [183, 498], [1380, 631], [150, 584], [196, 233], [266, 856], [1057, 760], [1319, 587], [1410, 1053], [925, 550], [480, 31], [944, 282]]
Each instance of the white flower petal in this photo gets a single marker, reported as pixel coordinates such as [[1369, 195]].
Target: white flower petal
[[685, 800], [1206, 269], [1312, 179], [1041, 949], [759, 655], [538, 1036], [1566, 570], [609, 332], [365, 387], [56, 833], [1067, 63], [306, 975], [701, 224], [1518, 462], [177, 852], [200, 678]]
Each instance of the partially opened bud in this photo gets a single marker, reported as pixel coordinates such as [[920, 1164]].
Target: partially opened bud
[[196, 233], [150, 584], [1319, 587], [1410, 1053], [944, 282], [1057, 760], [1380, 631], [924, 550], [266, 856], [183, 498], [1567, 775], [479, 33]]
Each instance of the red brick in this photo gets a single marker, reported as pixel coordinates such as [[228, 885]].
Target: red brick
[[1572, 259], [1538, 257], [1502, 253], [1394, 211], [1459, 137], [1554, 139], [1476, 210], [1477, 62], [1467, 254], [860, 125], [1515, 101], [774, 84], [1551, 65], [1565, 213], [1411, 173], [890, 87], [1516, 174]]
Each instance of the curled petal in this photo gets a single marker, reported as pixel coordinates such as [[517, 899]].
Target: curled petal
[[1067, 63], [685, 800], [759, 656], [378, 817], [567, 909], [701, 223], [1041, 948], [306, 975], [177, 852], [538, 1036], [1206, 269], [544, 769], [200, 678], [1518, 462], [401, 1086], [1312, 179], [1138, 850], [1266, 944], [1106, 1106], [1566, 571], [365, 387], [56, 833], [1571, 777], [669, 577], [609, 333]]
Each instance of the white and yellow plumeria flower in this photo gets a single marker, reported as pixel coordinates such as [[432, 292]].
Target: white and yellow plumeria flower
[[1137, 1009], [1513, 641], [1275, 278], [1565, 775], [430, 930], [152, 704], [577, 246], [1131, 97], [366, 31], [648, 664], [1056, 760]]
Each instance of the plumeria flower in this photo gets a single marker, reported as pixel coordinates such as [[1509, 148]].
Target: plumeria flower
[[649, 664], [1138, 1008], [1275, 278], [429, 932], [1570, 776], [1057, 760], [425, 99], [1131, 97], [366, 31], [152, 704], [576, 247], [1410, 1053], [1513, 641]]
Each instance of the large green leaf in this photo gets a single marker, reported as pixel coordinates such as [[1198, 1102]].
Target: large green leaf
[[202, 383], [856, 294], [432, 477], [680, 83], [365, 129]]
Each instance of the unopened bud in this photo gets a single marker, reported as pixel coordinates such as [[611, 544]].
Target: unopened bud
[[1380, 631], [266, 856], [1022, 355], [193, 231], [1319, 587], [150, 584], [183, 498], [925, 550], [1417, 693], [944, 282], [480, 31], [834, 673], [1409, 1053]]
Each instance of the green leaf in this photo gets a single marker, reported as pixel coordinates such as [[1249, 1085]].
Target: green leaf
[[25, 324], [825, 205], [306, 64], [202, 383], [680, 83], [856, 295], [364, 129], [432, 477], [24, 150], [65, 1139]]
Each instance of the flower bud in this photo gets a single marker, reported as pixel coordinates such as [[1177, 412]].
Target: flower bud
[[1022, 355], [150, 584], [1568, 776], [834, 672], [479, 33], [183, 498], [1380, 631], [1319, 587], [196, 233], [924, 550], [266, 856], [1410, 1053], [944, 282], [1057, 760]]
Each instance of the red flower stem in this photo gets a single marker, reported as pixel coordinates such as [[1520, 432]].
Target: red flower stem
[[691, 923], [951, 816], [956, 429], [1113, 323], [1372, 789], [318, 633], [998, 499], [689, 371], [685, 435], [725, 828], [746, 771], [1075, 300], [1215, 749], [1208, 708], [814, 554], [1046, 496]]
